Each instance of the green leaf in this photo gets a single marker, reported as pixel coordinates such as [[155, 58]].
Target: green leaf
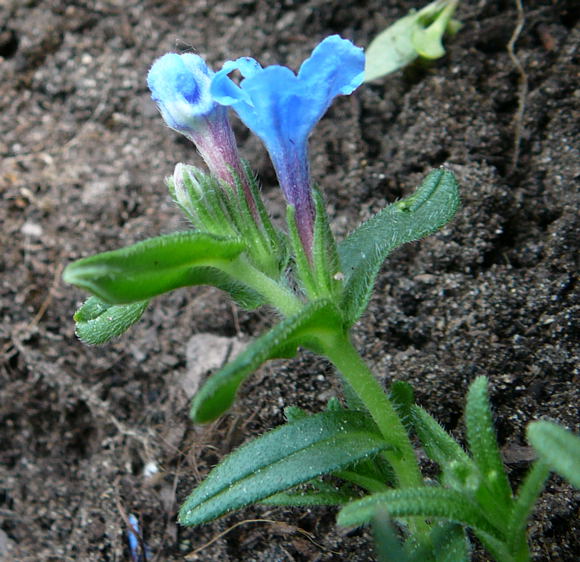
[[483, 443], [450, 543], [417, 34], [427, 37], [152, 267], [438, 444], [362, 254], [362, 480], [241, 294], [219, 391], [97, 322], [294, 413], [387, 544], [558, 448], [437, 503], [402, 396], [281, 459], [324, 494], [528, 493]]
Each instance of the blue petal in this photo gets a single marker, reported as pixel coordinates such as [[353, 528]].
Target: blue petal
[[281, 107], [179, 85]]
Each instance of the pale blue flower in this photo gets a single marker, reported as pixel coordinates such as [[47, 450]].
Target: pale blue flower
[[282, 108], [180, 85]]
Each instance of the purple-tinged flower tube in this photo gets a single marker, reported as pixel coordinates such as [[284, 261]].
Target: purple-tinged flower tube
[[282, 107], [180, 85]]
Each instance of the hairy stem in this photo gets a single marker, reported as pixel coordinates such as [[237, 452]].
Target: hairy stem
[[341, 351], [352, 367], [277, 295]]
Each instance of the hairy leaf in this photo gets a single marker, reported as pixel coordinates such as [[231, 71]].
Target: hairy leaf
[[152, 267], [438, 444], [281, 459], [528, 494], [437, 503], [218, 393], [97, 322], [387, 543], [363, 252], [483, 442], [450, 543], [558, 448], [323, 494]]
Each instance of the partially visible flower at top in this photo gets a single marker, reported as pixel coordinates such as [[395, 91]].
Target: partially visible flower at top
[[180, 85], [282, 107]]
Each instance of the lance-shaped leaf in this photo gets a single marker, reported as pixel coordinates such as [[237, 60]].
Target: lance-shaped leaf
[[558, 448], [97, 322], [318, 493], [219, 391], [155, 266], [281, 459], [450, 543], [363, 252], [431, 502], [523, 505], [483, 442], [438, 444]]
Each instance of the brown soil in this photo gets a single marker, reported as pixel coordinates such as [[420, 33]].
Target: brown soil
[[84, 154]]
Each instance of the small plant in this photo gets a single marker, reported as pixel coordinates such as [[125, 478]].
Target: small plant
[[318, 288], [419, 34]]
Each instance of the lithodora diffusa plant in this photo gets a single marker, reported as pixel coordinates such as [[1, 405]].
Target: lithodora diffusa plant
[[318, 289]]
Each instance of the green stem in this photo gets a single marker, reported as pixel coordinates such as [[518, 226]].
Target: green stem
[[275, 293], [340, 350], [347, 360]]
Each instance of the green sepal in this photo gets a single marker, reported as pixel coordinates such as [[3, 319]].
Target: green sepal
[[363, 252], [325, 262], [98, 322], [417, 34], [302, 266], [558, 448], [202, 199], [273, 254], [152, 267], [282, 341], [289, 455], [218, 207]]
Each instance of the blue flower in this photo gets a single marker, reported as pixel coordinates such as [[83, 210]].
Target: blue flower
[[282, 108], [180, 85]]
